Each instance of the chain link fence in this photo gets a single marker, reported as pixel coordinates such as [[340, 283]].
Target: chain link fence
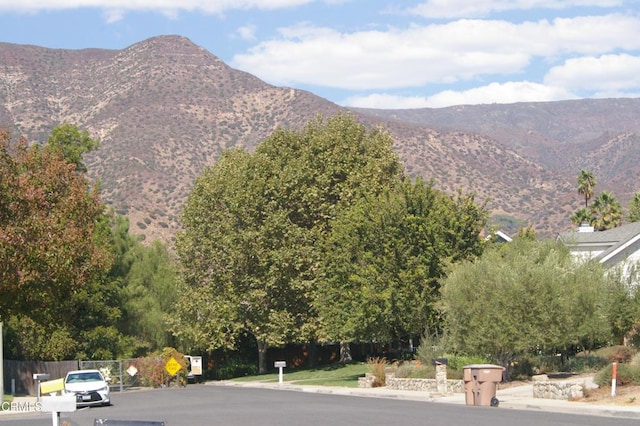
[[122, 373]]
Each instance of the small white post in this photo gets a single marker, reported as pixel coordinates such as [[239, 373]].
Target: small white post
[[614, 373], [55, 418], [280, 365]]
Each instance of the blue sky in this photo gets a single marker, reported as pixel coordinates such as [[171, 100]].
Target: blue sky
[[373, 53]]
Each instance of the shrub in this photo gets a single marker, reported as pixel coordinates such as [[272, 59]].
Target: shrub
[[377, 366], [431, 346], [457, 362], [627, 375], [620, 354], [635, 360], [584, 363], [152, 373], [415, 370]]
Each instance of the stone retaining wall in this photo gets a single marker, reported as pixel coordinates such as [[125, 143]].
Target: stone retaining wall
[[426, 385], [544, 388]]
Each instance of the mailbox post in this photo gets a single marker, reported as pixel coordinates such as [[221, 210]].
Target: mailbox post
[[53, 402], [57, 404], [39, 377], [280, 365]]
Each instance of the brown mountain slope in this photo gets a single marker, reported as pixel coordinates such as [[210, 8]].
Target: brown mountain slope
[[165, 108], [600, 135]]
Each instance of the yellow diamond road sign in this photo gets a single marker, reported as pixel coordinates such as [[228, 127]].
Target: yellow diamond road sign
[[172, 366]]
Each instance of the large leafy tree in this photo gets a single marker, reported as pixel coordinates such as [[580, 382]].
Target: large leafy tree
[[525, 295], [385, 258], [254, 224], [72, 143], [52, 253]]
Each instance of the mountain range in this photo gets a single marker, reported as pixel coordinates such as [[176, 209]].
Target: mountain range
[[165, 108]]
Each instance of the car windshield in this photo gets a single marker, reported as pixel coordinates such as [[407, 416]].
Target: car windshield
[[83, 377]]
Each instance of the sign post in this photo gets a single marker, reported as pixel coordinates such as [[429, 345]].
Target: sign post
[[614, 373], [280, 365], [172, 366]]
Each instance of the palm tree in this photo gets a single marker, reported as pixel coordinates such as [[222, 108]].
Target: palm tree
[[607, 211], [634, 209], [586, 184], [582, 216]]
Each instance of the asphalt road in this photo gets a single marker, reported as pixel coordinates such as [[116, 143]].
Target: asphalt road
[[229, 406]]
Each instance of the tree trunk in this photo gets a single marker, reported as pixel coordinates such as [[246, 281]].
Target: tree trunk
[[313, 354], [345, 352], [262, 356], [505, 361]]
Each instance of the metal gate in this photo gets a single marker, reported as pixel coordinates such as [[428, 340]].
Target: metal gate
[[119, 371]]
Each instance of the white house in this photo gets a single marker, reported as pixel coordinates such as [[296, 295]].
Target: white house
[[618, 247]]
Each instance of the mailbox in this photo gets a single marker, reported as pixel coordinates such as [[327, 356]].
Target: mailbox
[[57, 404], [41, 376], [52, 386]]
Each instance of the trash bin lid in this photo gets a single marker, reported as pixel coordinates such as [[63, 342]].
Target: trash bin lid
[[484, 367]]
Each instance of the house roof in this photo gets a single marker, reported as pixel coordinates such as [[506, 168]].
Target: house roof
[[615, 240]]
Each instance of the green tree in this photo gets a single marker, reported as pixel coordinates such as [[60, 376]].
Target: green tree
[[149, 296], [633, 214], [385, 258], [145, 277], [72, 143], [526, 295], [254, 224], [607, 211], [586, 185]]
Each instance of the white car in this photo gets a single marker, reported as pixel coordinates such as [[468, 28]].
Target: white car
[[89, 387]]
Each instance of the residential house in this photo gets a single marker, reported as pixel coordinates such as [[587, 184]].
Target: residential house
[[614, 248]]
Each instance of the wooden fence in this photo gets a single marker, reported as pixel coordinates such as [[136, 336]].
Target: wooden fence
[[21, 372]]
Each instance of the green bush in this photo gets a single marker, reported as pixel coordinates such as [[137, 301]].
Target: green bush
[[635, 360], [583, 364], [620, 354], [236, 369], [627, 375], [431, 346], [412, 370], [457, 362]]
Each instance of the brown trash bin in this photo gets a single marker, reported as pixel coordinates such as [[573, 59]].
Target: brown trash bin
[[480, 382]]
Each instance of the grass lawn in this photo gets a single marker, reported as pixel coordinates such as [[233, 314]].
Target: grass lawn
[[5, 398], [345, 375]]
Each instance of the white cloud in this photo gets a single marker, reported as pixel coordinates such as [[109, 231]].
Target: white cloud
[[604, 74], [480, 8], [501, 93], [419, 55], [386, 101], [164, 6], [247, 32], [112, 16]]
